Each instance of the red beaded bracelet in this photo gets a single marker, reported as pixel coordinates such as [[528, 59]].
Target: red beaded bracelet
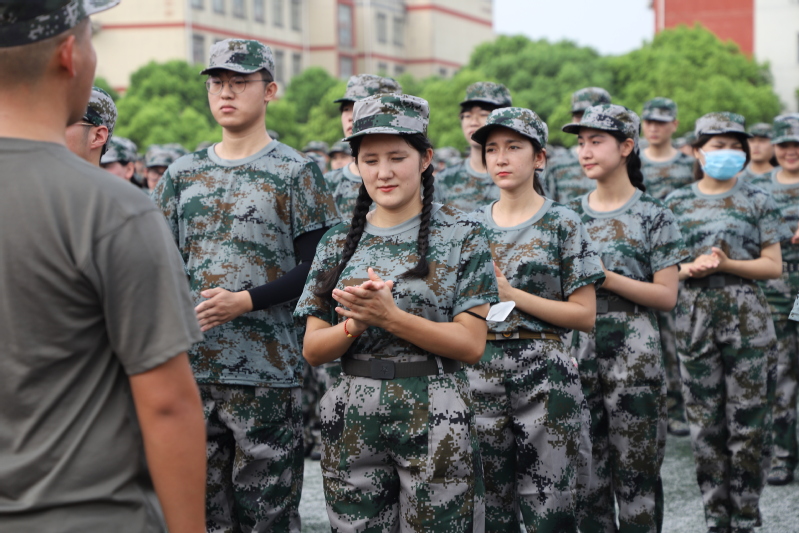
[[350, 335]]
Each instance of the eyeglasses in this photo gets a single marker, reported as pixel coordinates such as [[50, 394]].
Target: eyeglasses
[[237, 84], [84, 124]]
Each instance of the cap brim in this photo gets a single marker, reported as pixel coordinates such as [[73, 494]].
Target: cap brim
[[785, 139], [481, 135], [725, 132], [382, 130], [483, 101], [340, 100], [658, 118], [230, 68], [574, 128]]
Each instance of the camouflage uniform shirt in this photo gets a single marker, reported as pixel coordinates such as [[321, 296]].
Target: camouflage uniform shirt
[[344, 185], [740, 221], [754, 179], [663, 177], [565, 178], [464, 188], [461, 275], [549, 255], [235, 223]]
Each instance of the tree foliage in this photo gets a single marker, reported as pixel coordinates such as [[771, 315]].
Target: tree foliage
[[104, 85]]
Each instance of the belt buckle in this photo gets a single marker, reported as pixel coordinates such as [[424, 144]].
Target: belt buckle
[[380, 369], [510, 335], [601, 307], [716, 282]]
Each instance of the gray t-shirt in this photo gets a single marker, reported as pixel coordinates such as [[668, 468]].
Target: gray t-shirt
[[93, 291]]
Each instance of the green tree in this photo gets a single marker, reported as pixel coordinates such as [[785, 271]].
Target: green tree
[[324, 118], [164, 120], [104, 85]]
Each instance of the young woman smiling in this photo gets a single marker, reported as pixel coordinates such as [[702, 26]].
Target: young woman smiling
[[400, 294], [725, 337], [620, 361], [526, 391]]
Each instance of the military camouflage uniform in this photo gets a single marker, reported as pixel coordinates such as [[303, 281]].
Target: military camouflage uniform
[[620, 360], [163, 155], [761, 129], [235, 223], [101, 111], [725, 342], [447, 155], [119, 149], [460, 185]]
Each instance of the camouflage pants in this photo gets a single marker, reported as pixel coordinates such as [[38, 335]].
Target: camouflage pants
[[528, 406], [785, 453], [316, 381], [255, 463], [401, 455], [621, 370], [675, 406], [725, 341]]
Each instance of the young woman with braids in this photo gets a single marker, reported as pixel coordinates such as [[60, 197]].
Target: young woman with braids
[[526, 390], [620, 361], [400, 295]]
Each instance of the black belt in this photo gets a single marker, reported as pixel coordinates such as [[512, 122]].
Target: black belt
[[715, 281], [383, 369], [790, 267], [618, 306]]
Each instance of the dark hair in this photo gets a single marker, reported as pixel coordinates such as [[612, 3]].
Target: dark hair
[[485, 106], [344, 104], [536, 175], [633, 163], [705, 138], [326, 281]]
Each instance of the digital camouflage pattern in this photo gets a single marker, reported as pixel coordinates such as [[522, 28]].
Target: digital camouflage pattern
[[660, 109], [163, 155], [521, 120], [761, 129], [755, 179], [448, 155], [487, 92], [394, 114], [464, 188], [256, 484], [786, 129], [319, 159], [235, 223], [345, 185], [24, 21], [340, 147], [566, 180], [528, 407], [549, 255], [244, 56], [590, 96], [608, 117], [119, 149], [663, 177], [365, 85], [719, 123], [316, 146], [101, 110]]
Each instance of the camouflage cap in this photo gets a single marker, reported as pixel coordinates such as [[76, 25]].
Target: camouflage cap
[[786, 128], [719, 123], [119, 149], [340, 147], [365, 85], [608, 117], [244, 56], [590, 96], [163, 155], [488, 92], [518, 119], [660, 109], [446, 155], [394, 114], [29, 21], [101, 110], [761, 129], [316, 146]]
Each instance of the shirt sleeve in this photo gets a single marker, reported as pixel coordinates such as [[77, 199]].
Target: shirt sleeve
[[667, 247], [313, 206], [144, 292], [476, 283], [165, 198], [327, 257], [580, 263]]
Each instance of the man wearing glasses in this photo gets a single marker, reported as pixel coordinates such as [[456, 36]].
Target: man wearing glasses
[[88, 138], [247, 214]]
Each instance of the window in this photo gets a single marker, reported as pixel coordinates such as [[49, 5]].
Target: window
[[345, 66], [382, 68], [259, 11], [198, 49], [345, 26], [399, 70], [382, 28], [198, 4], [279, 66], [219, 6], [399, 31], [296, 15], [238, 8], [296, 64], [277, 13]]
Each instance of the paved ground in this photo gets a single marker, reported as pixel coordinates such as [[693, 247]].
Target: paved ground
[[779, 505]]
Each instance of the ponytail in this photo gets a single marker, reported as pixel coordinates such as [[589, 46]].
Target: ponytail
[[633, 163]]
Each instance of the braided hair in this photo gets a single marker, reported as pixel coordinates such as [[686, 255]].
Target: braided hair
[[633, 163], [327, 280]]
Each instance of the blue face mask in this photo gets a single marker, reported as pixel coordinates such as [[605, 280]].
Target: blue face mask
[[723, 164]]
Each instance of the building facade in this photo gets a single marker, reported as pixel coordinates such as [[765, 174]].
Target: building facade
[[345, 37], [765, 29]]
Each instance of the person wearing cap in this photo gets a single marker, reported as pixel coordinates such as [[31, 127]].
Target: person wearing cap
[[88, 137], [725, 336], [317, 150], [400, 294], [99, 406], [246, 214], [158, 158], [340, 155], [620, 360], [565, 177], [526, 391], [684, 143], [345, 182], [445, 157], [119, 159], [467, 185], [783, 184], [761, 152]]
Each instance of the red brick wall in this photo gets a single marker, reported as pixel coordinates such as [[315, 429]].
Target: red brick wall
[[728, 19]]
